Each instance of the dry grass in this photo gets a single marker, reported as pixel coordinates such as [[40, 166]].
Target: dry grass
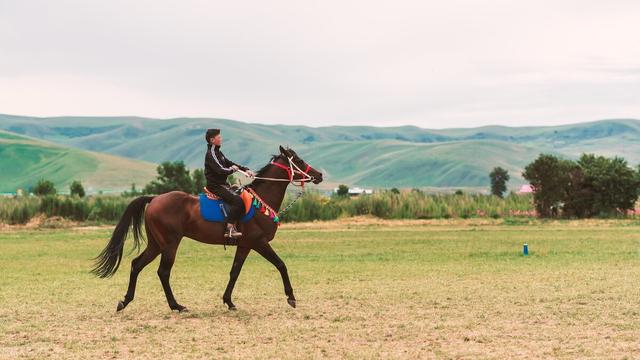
[[366, 289]]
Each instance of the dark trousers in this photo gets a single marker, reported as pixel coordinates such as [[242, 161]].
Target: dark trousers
[[236, 205]]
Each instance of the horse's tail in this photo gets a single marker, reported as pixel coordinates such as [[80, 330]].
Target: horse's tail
[[108, 261]]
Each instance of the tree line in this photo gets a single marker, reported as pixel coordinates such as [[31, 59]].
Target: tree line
[[592, 186]]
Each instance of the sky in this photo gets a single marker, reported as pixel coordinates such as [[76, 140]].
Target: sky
[[433, 64]]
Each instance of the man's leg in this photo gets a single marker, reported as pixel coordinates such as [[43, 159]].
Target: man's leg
[[235, 208]]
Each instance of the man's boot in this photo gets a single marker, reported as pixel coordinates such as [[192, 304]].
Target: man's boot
[[232, 232]]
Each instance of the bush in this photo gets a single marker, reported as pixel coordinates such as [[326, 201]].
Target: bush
[[44, 187], [76, 189], [343, 190], [67, 207], [312, 206], [19, 210]]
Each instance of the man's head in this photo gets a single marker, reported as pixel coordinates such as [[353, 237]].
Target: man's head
[[213, 137]]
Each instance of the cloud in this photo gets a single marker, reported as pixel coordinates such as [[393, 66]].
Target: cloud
[[427, 63]]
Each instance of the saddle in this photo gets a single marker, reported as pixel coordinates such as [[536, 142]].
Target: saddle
[[212, 208]]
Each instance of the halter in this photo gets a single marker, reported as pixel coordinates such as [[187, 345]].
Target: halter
[[291, 170]]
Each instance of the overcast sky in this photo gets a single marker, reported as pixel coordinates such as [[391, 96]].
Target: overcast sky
[[434, 64]]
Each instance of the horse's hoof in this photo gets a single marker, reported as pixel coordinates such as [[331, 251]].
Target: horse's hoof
[[292, 302], [229, 304], [180, 308], [121, 306]]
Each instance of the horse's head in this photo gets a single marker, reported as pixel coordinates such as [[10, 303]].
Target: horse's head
[[300, 165]]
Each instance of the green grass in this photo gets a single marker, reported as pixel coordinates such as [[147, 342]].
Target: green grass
[[366, 289]]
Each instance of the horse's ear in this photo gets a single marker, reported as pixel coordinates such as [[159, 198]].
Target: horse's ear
[[282, 150]]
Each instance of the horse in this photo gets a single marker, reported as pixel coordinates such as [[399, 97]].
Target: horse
[[171, 216]]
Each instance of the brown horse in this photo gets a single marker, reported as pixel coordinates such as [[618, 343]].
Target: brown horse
[[171, 216]]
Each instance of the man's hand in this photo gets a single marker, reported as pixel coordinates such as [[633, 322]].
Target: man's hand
[[250, 173], [235, 168]]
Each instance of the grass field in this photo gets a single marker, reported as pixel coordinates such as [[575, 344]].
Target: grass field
[[365, 289]]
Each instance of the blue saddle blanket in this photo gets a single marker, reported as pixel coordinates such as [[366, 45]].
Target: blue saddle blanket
[[217, 210]]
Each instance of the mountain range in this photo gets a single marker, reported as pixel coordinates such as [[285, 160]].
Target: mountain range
[[25, 160], [366, 156]]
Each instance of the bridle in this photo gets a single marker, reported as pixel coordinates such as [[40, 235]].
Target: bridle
[[292, 170]]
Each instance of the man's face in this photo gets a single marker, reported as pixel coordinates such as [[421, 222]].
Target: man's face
[[217, 140]]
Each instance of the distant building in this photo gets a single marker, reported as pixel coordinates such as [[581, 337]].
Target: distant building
[[356, 191], [525, 189]]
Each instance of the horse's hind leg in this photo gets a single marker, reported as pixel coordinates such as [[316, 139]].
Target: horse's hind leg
[[164, 272], [137, 265]]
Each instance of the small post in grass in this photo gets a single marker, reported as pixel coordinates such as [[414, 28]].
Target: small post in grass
[[525, 249]]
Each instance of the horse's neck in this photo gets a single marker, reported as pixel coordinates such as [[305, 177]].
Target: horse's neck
[[272, 193]]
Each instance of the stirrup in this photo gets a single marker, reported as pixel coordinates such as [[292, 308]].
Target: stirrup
[[232, 233]]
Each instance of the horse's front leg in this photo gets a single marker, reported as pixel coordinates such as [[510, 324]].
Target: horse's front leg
[[238, 261], [268, 253]]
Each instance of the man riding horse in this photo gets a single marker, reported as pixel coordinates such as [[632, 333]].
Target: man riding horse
[[172, 216], [216, 170]]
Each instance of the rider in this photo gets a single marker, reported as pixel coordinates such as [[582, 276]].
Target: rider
[[216, 169]]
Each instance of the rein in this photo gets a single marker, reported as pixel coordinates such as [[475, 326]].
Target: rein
[[291, 170]]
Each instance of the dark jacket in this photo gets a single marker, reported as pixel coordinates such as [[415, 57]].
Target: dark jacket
[[217, 167]]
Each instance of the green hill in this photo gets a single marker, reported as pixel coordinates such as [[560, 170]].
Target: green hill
[[393, 163], [24, 161], [405, 156]]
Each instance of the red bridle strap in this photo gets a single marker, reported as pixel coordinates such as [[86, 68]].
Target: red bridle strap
[[288, 169]]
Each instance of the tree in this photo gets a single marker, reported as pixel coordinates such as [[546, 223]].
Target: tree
[[76, 188], [199, 181], [499, 178], [343, 190], [578, 196], [609, 184], [638, 179], [592, 186], [549, 177], [44, 187], [171, 176]]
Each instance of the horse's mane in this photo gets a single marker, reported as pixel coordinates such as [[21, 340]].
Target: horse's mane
[[263, 170]]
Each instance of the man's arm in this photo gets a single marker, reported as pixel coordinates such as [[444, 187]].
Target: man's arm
[[215, 165]]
